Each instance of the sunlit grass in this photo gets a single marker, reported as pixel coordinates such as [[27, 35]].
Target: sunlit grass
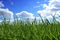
[[27, 30]]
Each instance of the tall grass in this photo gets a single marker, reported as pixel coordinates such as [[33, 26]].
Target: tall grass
[[27, 30]]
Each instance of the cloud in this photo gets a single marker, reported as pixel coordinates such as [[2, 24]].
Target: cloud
[[56, 5], [43, 13], [53, 8], [1, 4], [6, 13], [25, 14]]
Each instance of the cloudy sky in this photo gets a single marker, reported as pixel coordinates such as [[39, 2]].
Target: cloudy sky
[[30, 8]]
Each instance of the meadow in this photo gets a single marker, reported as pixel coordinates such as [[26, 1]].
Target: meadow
[[20, 30]]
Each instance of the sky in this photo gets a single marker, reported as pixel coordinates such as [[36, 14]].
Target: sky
[[24, 5], [30, 8]]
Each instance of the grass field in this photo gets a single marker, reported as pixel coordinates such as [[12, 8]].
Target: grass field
[[20, 30]]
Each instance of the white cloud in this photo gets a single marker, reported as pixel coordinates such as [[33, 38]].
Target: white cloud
[[1, 4], [52, 8], [25, 14], [56, 5], [43, 13], [6, 13]]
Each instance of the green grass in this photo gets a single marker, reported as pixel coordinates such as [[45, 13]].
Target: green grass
[[20, 30]]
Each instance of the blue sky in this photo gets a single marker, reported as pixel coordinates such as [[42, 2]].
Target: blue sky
[[30, 8], [24, 5]]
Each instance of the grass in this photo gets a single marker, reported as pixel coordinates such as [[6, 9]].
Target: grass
[[20, 30]]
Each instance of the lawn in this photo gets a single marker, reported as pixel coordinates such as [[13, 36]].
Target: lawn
[[20, 30]]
